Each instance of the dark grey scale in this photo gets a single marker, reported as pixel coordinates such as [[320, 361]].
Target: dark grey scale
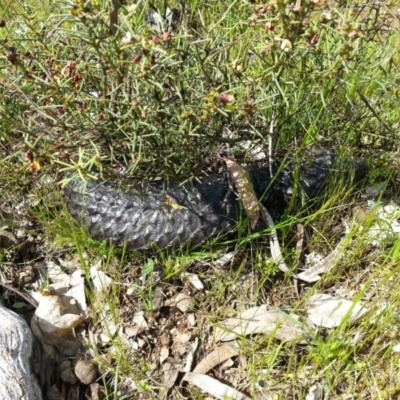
[[139, 215]]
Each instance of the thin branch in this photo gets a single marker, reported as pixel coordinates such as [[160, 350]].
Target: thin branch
[[365, 101], [270, 137]]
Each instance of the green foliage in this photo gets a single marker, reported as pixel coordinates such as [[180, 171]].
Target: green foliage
[[155, 92], [148, 268], [19, 304], [330, 350]]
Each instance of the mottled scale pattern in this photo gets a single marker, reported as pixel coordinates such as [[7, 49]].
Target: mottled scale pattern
[[160, 215]]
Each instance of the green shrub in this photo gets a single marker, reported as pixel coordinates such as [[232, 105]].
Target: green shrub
[[78, 92]]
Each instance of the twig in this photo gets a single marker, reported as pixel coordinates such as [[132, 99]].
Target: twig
[[25, 296], [275, 248], [114, 16], [299, 248], [271, 132], [365, 101]]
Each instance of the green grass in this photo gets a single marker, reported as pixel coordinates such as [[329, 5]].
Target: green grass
[[78, 100]]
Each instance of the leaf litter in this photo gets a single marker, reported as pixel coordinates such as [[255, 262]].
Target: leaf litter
[[260, 320], [329, 312], [181, 351]]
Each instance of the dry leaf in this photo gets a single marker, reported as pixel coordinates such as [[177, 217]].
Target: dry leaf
[[190, 356], [180, 341], [158, 298], [225, 259], [315, 392], [101, 281], [53, 323], [132, 331], [214, 387], [373, 192], [245, 191], [169, 201], [276, 253], [170, 373], [7, 239], [191, 319], [259, 320], [139, 320], [164, 354], [329, 312], [313, 273], [194, 280], [218, 356], [184, 302], [96, 392]]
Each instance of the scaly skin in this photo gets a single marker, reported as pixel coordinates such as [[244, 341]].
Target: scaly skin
[[157, 215]]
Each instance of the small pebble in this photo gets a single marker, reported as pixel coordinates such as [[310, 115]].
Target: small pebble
[[86, 371]]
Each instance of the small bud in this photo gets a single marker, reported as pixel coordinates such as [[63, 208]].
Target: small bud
[[166, 36], [267, 8], [269, 27], [326, 16], [253, 20], [71, 65], [133, 9], [29, 155], [317, 3], [226, 98], [137, 58], [296, 9], [236, 65], [355, 33], [12, 55], [286, 45], [354, 10], [313, 40], [265, 52], [128, 38], [76, 77], [34, 167]]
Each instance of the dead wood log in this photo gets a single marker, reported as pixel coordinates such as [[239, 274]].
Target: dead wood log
[[17, 380]]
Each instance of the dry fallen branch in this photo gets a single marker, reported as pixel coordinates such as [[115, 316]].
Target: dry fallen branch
[[214, 387], [274, 243], [218, 356], [245, 190]]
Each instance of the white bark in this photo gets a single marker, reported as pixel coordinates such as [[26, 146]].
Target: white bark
[[17, 381]]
